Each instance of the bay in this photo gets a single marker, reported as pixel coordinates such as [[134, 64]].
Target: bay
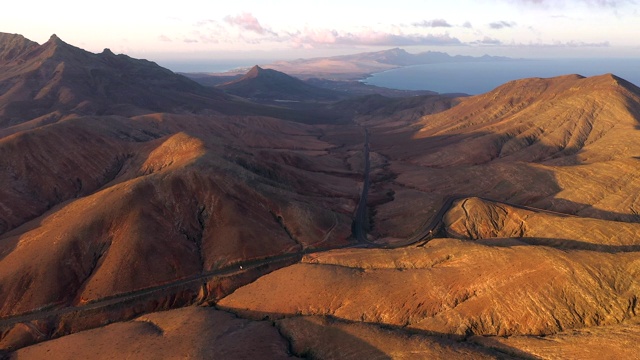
[[479, 77]]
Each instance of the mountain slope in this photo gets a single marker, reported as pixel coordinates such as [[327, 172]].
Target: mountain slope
[[267, 84], [106, 217], [540, 120], [56, 79], [567, 144], [497, 288], [179, 196]]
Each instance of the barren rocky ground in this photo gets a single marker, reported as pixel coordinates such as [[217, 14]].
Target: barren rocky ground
[[503, 225]]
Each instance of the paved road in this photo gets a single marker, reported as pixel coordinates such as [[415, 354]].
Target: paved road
[[202, 278], [359, 232], [426, 233], [433, 228], [430, 229], [360, 218]]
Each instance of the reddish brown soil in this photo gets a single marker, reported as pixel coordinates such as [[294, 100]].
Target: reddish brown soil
[[125, 210]]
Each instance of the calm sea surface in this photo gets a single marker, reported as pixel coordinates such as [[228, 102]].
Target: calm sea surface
[[479, 77]]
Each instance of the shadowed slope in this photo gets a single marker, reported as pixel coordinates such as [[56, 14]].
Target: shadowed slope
[[45, 167], [327, 338], [42, 84], [192, 332], [210, 193]]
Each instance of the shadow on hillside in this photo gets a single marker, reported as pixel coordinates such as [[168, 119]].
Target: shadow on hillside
[[474, 164], [350, 346], [8, 244], [560, 244], [329, 337]]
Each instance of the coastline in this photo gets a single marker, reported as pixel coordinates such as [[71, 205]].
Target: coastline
[[480, 77]]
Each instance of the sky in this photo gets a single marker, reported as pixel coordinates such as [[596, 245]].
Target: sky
[[198, 30]]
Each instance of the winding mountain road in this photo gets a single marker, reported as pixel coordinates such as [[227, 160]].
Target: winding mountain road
[[431, 228], [426, 233], [199, 279]]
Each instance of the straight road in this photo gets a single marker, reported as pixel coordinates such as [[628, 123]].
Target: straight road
[[429, 231], [202, 278], [360, 219]]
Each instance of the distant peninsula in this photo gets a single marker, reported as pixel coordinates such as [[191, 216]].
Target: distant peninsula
[[359, 66]]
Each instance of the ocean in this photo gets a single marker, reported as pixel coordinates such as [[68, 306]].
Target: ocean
[[479, 77]]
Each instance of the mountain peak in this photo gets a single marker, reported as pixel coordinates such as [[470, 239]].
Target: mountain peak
[[61, 78], [54, 40], [616, 82], [60, 50], [255, 71], [271, 84]]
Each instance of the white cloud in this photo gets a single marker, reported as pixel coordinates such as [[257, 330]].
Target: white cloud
[[315, 37], [248, 22], [487, 41], [502, 24], [432, 23]]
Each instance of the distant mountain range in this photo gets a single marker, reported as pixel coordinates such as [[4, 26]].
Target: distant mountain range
[[55, 78], [357, 66], [42, 84], [271, 85], [400, 57], [337, 76]]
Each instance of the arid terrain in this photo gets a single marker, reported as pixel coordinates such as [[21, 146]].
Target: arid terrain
[[146, 215]]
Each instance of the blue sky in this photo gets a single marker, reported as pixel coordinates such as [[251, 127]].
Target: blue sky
[[286, 29]]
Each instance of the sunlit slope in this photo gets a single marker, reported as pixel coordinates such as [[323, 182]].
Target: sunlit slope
[[200, 194], [501, 287], [568, 144]]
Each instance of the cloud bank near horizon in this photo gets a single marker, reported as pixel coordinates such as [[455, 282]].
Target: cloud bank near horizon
[[295, 28], [247, 28]]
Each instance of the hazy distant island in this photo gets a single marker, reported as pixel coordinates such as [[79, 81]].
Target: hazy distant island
[[347, 72], [359, 66], [396, 72]]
